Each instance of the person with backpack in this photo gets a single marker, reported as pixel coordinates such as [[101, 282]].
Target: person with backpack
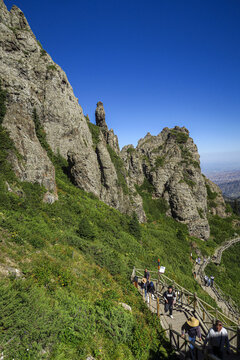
[[170, 299], [151, 289], [206, 280], [192, 328]]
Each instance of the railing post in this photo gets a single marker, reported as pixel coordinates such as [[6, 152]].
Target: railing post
[[216, 313], [133, 273], [195, 302], [170, 333], [203, 315], [238, 339], [188, 300], [158, 312]]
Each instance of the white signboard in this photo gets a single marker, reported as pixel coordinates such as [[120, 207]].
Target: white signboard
[[162, 269]]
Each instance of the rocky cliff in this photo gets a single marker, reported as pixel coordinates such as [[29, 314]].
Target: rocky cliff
[[169, 162], [34, 81]]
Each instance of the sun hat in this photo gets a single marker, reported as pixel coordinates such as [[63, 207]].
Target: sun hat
[[144, 280], [193, 322]]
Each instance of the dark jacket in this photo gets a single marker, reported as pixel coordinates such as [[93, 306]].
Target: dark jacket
[[191, 331], [170, 297], [147, 275], [151, 288]]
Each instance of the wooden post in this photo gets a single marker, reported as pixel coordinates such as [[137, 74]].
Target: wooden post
[[159, 271], [195, 302], [188, 300], [238, 339], [158, 311], [203, 315], [170, 333], [133, 273], [216, 313]]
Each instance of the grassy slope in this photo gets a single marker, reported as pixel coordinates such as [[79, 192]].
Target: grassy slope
[[76, 256]]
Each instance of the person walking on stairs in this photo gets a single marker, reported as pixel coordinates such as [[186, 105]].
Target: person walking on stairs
[[192, 328], [147, 274], [170, 299], [217, 338], [212, 280], [206, 280]]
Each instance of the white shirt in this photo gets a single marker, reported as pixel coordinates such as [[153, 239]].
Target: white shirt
[[217, 338]]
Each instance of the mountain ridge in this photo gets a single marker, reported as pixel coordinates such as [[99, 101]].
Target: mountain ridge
[[169, 162]]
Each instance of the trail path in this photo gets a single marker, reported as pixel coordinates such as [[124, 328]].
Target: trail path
[[224, 302], [181, 313]]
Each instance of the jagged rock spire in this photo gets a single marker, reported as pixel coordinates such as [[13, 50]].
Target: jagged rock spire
[[100, 116]]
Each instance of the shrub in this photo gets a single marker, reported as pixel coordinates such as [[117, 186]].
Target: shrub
[[86, 229], [211, 194], [180, 137], [134, 227], [159, 162], [51, 67]]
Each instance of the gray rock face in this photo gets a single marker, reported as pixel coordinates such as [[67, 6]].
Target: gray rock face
[[170, 162], [100, 116], [219, 206]]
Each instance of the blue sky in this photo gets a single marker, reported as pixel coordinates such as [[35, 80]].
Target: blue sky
[[153, 63]]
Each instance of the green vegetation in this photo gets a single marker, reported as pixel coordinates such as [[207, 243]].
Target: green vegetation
[[41, 134], [145, 158], [222, 229], [95, 131], [131, 150], [42, 51], [157, 149], [159, 162], [227, 274], [119, 167], [76, 256], [51, 67], [154, 208], [200, 211], [186, 179], [211, 194], [180, 137]]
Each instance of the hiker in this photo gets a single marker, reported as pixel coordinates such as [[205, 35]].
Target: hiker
[[135, 280], [192, 328], [212, 280], [194, 275], [209, 282], [170, 299], [196, 261], [144, 284], [151, 289], [217, 338], [199, 260], [206, 280], [147, 274]]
